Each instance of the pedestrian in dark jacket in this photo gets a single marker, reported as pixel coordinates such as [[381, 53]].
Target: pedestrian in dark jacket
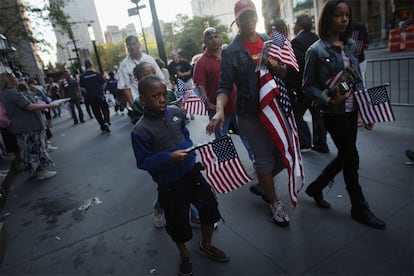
[[304, 38], [93, 82], [70, 89], [161, 144], [331, 54]]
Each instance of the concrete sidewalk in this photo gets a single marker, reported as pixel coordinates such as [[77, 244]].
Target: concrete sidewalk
[[95, 216]]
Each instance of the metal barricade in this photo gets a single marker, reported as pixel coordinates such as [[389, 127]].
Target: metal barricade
[[398, 73]]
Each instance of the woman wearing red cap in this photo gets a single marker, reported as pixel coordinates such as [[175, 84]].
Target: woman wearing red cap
[[238, 66]]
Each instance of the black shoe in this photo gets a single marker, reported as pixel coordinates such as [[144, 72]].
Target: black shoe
[[366, 217], [75, 122], [318, 197], [410, 154], [321, 149], [82, 121], [186, 267], [258, 190], [214, 253], [106, 126]]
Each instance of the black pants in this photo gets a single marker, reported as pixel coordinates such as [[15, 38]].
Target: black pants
[[318, 129], [100, 109], [88, 107], [175, 199], [343, 130], [72, 105], [120, 100]]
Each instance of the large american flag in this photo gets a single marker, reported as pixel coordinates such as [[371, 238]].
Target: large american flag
[[277, 118], [224, 169], [192, 103], [281, 49], [374, 105]]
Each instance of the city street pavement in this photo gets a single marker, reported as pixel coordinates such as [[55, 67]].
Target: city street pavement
[[95, 216]]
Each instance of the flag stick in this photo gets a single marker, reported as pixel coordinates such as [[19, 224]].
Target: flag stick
[[195, 147]]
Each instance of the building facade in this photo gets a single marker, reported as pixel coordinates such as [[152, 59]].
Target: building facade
[[81, 14], [19, 53], [378, 15]]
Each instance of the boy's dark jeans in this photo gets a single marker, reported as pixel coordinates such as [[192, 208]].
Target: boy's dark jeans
[[175, 199]]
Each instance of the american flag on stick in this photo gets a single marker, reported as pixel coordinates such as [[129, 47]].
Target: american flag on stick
[[277, 117], [280, 48], [224, 170], [192, 103], [374, 105]]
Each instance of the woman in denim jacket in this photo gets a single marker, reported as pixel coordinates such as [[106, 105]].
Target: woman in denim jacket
[[333, 52]]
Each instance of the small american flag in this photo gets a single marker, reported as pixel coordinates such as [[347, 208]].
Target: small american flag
[[359, 43], [192, 103], [374, 105], [281, 49], [224, 169]]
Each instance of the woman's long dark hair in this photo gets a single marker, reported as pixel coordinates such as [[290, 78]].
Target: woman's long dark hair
[[325, 19]]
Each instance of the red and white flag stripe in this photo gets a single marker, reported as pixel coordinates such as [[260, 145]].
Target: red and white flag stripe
[[283, 132]]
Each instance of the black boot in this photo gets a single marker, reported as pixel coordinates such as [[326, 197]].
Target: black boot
[[317, 195], [360, 211]]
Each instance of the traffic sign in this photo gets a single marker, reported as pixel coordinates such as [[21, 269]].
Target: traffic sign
[[134, 11]]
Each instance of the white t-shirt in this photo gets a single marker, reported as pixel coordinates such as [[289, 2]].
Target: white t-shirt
[[126, 75]]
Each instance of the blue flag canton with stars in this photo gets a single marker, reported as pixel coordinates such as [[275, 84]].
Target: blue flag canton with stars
[[378, 95], [224, 149], [283, 97], [278, 39], [181, 86]]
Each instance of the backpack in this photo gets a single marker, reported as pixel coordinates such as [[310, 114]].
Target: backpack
[[4, 118]]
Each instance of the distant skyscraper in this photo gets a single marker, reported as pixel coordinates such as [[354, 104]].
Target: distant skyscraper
[[113, 34], [221, 10], [81, 13]]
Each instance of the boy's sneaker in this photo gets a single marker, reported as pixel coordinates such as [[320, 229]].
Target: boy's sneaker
[[159, 219], [186, 267], [51, 148], [279, 214], [214, 253], [44, 174]]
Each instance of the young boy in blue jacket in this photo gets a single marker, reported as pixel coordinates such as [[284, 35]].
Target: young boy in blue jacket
[[161, 144]]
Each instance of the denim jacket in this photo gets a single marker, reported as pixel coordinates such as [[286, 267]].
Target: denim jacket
[[323, 61], [237, 67]]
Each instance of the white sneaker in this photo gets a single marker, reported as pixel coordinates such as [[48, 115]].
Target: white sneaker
[[159, 219], [279, 214], [44, 174], [51, 148]]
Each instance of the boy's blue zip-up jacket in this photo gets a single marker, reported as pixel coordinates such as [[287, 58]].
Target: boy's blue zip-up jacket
[[154, 137]]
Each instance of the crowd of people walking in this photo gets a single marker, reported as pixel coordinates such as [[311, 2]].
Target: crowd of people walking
[[227, 81]]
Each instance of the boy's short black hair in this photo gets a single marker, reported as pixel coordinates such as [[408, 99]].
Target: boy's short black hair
[[139, 68], [145, 83]]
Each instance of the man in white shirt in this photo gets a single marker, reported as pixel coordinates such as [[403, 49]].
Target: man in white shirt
[[127, 81]]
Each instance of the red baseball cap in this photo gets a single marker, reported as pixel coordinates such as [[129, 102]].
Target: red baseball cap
[[242, 6]]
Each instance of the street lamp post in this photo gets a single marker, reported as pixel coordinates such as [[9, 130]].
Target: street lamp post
[[92, 38], [135, 11], [157, 31]]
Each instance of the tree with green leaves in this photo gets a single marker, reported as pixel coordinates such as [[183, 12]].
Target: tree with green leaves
[[22, 20], [186, 34]]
